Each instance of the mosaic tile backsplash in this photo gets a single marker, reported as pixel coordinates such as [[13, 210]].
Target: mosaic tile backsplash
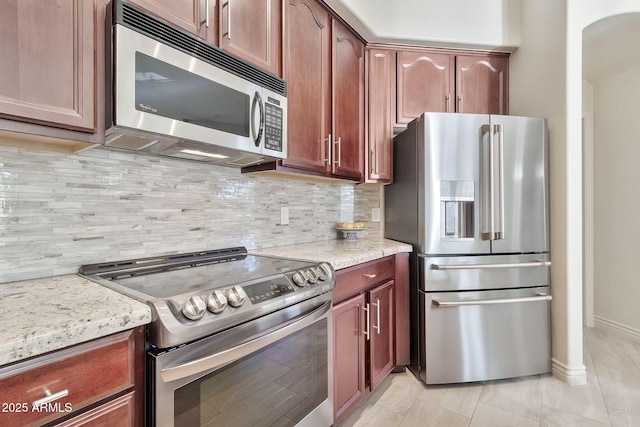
[[58, 212]]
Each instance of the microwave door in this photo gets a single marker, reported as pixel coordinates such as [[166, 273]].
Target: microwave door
[[164, 91]]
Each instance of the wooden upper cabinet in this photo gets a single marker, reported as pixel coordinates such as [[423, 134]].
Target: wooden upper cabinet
[[307, 43], [425, 83], [348, 103], [194, 16], [381, 115], [482, 84], [252, 29], [47, 69]]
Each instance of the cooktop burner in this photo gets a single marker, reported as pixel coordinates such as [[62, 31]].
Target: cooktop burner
[[199, 293]]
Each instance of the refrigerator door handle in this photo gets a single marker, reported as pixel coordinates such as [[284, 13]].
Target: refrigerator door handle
[[500, 132], [536, 263], [539, 297], [494, 232], [488, 174]]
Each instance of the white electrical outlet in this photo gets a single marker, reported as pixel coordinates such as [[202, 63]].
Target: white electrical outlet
[[284, 215], [375, 215]]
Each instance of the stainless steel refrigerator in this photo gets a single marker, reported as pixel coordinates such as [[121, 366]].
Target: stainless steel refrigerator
[[470, 193]]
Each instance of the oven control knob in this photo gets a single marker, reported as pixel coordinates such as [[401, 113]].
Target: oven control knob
[[236, 296], [320, 274], [311, 276], [299, 278], [327, 269], [216, 302], [194, 308]]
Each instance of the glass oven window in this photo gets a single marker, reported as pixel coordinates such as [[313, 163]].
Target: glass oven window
[[280, 384], [173, 92]]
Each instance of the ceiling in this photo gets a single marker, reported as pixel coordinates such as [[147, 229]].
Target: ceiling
[[469, 24], [610, 47]]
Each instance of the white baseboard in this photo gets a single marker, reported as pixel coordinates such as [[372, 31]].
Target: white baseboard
[[567, 374], [618, 327]]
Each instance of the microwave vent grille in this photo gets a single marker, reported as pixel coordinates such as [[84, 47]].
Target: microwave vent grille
[[139, 21]]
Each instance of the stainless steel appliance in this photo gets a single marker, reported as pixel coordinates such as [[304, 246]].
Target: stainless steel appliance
[[236, 339], [470, 192], [175, 95]]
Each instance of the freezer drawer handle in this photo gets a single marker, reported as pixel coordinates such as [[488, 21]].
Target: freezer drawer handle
[[536, 263], [538, 298]]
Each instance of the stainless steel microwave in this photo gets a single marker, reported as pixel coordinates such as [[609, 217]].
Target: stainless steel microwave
[[176, 95]]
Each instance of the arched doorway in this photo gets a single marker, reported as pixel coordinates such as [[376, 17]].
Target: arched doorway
[[611, 129]]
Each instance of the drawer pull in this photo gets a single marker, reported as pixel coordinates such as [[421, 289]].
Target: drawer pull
[[48, 398], [369, 275]]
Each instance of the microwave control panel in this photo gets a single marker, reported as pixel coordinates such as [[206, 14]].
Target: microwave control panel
[[273, 127]]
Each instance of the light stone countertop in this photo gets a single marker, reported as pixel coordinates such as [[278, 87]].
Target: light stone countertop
[[42, 315], [339, 253]]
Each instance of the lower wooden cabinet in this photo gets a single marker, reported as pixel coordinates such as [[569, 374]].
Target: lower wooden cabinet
[[100, 382], [369, 328], [381, 332], [349, 355]]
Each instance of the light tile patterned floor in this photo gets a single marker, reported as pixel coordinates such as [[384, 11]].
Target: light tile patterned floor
[[611, 396]]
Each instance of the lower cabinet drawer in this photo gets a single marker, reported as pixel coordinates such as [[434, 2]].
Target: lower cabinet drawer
[[51, 386], [116, 413], [354, 280]]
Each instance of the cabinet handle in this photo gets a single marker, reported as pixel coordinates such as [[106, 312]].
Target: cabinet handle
[[49, 397], [374, 161], [339, 144], [369, 275], [377, 304], [368, 329], [460, 104], [206, 13], [328, 159], [448, 100], [228, 19]]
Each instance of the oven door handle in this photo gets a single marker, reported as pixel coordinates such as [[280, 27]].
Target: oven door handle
[[218, 360]]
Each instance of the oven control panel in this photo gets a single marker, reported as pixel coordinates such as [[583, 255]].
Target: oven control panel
[[320, 277], [271, 289]]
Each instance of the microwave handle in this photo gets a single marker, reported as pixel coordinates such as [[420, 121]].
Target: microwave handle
[[257, 134]]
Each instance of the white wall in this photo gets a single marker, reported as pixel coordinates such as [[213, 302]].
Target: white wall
[[617, 207], [539, 87], [492, 24], [588, 195]]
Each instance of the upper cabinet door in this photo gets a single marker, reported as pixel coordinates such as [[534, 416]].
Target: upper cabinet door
[[252, 29], [424, 84], [194, 16], [47, 72], [307, 70], [381, 114], [348, 103], [482, 84]]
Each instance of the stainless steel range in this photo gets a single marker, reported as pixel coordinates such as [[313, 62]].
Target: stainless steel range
[[236, 339]]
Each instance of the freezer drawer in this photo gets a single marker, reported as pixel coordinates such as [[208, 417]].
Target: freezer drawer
[[483, 272], [477, 336]]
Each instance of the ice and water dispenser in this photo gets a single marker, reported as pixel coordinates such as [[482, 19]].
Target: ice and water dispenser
[[457, 199]]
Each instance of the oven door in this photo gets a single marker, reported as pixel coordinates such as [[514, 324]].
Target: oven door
[[272, 369]]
